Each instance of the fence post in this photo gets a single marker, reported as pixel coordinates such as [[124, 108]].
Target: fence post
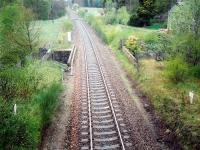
[[15, 109]]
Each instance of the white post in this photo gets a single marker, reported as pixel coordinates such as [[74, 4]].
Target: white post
[[69, 36], [191, 96], [15, 109], [62, 71]]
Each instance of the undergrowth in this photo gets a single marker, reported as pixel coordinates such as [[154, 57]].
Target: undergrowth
[[35, 90]]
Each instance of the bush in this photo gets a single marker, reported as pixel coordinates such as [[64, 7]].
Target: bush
[[117, 16], [35, 89], [110, 17], [158, 43], [17, 83], [132, 45], [48, 100], [189, 46], [68, 26], [98, 25], [123, 16], [134, 20], [177, 70], [112, 33], [82, 12], [196, 71], [23, 130], [58, 8]]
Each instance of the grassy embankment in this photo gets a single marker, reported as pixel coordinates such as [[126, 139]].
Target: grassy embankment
[[170, 100], [54, 33], [35, 89]]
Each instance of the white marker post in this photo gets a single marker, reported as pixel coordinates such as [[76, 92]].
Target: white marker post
[[69, 36], [62, 72], [15, 109], [191, 96]]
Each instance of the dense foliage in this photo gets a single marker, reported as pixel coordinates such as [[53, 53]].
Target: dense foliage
[[31, 85], [116, 16], [35, 89], [143, 11], [46, 9], [18, 37], [184, 21]]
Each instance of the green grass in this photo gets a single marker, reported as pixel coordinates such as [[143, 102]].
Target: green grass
[[53, 33], [34, 110], [49, 72], [155, 26], [94, 11]]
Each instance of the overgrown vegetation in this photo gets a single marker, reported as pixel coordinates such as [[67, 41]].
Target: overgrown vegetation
[[169, 70], [29, 88], [142, 12], [46, 9], [35, 89], [18, 37]]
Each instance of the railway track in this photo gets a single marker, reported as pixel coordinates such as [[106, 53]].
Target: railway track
[[101, 122]]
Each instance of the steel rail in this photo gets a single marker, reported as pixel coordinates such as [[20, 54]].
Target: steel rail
[[106, 87], [88, 97]]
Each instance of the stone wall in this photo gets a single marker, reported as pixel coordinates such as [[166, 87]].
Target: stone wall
[[61, 56]]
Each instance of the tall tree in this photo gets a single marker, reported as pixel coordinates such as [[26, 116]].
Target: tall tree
[[18, 35]]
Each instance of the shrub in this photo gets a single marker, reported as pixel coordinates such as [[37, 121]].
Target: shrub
[[158, 43], [134, 20], [98, 25], [123, 16], [196, 71], [116, 16], [177, 70], [133, 45], [112, 33], [68, 26], [110, 17], [48, 100], [17, 83], [82, 12], [19, 131], [189, 46], [23, 130], [35, 89]]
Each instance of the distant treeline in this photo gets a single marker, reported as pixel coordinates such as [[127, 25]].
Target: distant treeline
[[89, 3], [144, 12], [44, 9]]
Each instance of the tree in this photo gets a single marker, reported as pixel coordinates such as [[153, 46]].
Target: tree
[[18, 34], [145, 11], [142, 14], [184, 21], [40, 7], [57, 9]]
